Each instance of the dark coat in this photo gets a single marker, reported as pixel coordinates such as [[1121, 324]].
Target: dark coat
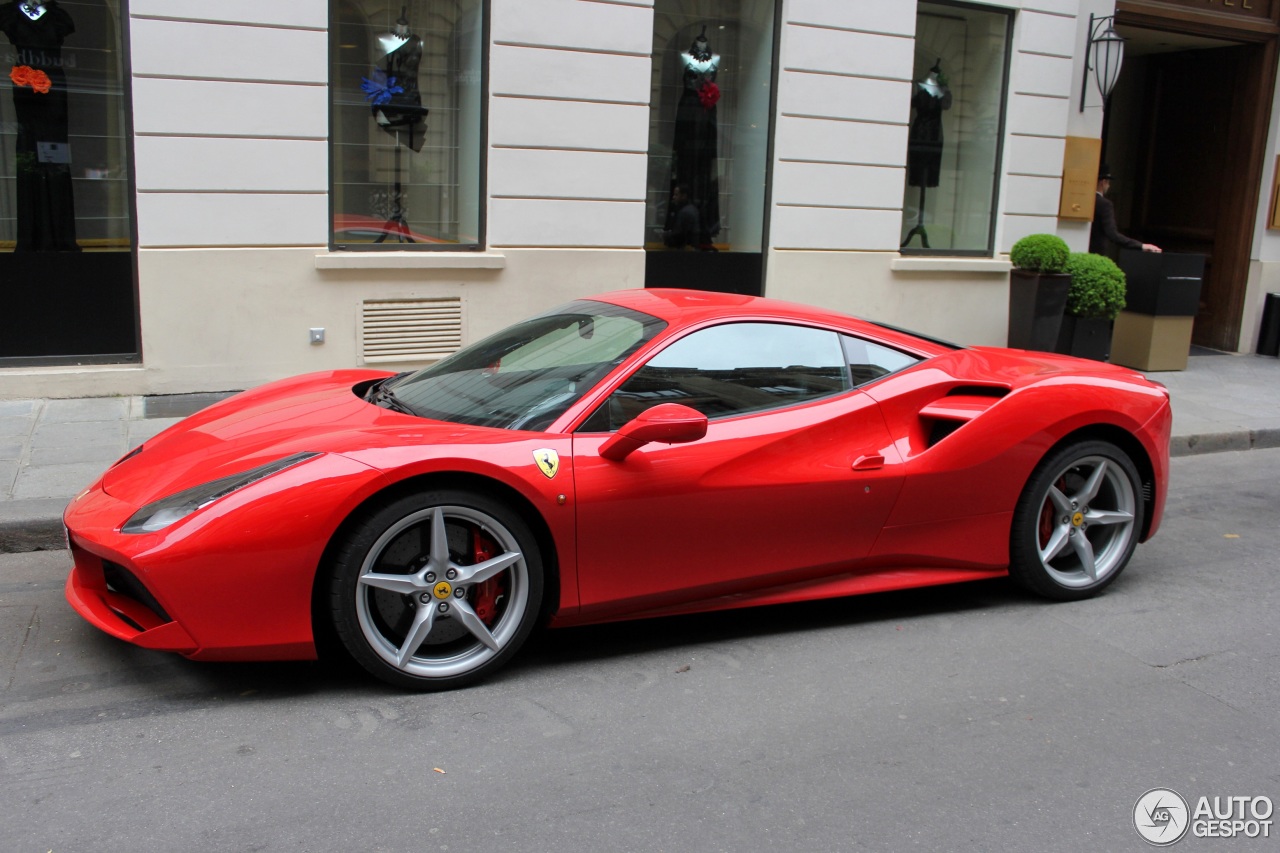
[[1104, 228]]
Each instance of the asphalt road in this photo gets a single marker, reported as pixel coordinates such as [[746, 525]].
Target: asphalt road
[[965, 718]]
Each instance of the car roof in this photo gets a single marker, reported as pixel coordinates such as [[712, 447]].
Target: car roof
[[689, 307]]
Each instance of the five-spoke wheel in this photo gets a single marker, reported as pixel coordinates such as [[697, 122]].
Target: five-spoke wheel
[[436, 589], [1077, 522]]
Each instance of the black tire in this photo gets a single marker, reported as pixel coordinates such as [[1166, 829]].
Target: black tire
[[1077, 522], [412, 614]]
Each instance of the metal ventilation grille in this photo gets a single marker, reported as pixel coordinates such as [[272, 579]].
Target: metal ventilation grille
[[410, 330]]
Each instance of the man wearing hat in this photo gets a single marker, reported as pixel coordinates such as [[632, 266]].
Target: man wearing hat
[[1104, 221]]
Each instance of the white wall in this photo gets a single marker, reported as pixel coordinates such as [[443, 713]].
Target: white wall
[[230, 104], [844, 93], [568, 122]]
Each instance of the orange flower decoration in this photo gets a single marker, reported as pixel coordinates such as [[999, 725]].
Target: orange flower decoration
[[25, 75]]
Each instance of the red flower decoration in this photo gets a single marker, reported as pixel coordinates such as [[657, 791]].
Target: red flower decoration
[[708, 95], [25, 75]]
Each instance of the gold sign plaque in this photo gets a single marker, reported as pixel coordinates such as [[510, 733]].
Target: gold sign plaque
[[1275, 198], [1079, 177]]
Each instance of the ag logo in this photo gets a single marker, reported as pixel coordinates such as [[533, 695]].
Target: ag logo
[[1161, 817], [548, 461]]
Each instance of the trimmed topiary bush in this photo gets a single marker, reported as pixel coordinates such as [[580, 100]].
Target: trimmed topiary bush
[[1047, 253], [1097, 286]]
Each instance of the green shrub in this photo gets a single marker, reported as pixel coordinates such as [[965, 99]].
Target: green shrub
[[1097, 286], [1040, 253]]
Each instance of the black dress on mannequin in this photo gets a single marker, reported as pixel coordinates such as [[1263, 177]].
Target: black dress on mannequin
[[929, 98], [45, 204], [695, 145], [402, 113]]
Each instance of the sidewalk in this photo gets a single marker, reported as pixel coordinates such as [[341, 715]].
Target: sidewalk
[[52, 449]]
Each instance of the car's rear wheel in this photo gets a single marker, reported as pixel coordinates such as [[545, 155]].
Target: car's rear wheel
[[1077, 521], [437, 589]]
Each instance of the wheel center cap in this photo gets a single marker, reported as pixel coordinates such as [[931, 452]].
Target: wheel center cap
[[442, 590], [1077, 519]]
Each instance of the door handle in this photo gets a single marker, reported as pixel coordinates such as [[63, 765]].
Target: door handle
[[869, 462]]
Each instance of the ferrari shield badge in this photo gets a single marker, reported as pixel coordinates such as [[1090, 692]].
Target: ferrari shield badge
[[548, 461]]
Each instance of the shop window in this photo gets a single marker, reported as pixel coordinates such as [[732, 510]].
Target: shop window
[[953, 144], [64, 180], [709, 125], [407, 136], [66, 223]]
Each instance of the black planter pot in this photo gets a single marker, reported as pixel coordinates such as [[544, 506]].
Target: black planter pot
[[1085, 337], [1036, 302]]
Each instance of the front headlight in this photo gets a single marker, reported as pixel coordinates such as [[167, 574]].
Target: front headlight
[[162, 513]]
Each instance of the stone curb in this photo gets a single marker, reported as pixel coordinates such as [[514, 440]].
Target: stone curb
[[1218, 442], [32, 525], [36, 525]]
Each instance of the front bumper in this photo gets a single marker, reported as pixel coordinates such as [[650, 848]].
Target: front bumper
[[232, 581]]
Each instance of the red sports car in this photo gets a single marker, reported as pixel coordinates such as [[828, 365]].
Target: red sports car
[[635, 454]]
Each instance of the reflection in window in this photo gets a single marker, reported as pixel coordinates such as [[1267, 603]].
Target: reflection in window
[[406, 117], [953, 144], [526, 376], [869, 361], [732, 370]]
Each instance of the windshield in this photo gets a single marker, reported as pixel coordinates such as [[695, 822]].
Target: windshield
[[526, 376]]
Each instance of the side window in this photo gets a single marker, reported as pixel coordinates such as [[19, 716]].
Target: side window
[[869, 361], [732, 370]]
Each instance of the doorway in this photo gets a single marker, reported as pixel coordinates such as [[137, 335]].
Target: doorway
[[1184, 135]]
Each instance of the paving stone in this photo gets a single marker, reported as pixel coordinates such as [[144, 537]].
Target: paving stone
[[71, 434], [13, 408], [14, 425], [55, 481], [11, 448], [8, 473], [91, 409], [98, 454]]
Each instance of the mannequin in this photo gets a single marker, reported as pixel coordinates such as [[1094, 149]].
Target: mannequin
[[397, 109], [397, 106], [695, 146], [929, 97], [45, 204]]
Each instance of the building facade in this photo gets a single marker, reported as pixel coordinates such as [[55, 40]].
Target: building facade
[[203, 196]]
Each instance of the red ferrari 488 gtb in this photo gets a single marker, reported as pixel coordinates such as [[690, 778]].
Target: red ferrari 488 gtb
[[634, 454]]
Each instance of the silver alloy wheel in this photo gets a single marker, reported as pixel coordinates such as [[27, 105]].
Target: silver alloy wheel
[[416, 605], [1087, 522]]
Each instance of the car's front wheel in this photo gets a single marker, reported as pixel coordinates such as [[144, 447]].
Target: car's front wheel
[[437, 589], [1077, 522]]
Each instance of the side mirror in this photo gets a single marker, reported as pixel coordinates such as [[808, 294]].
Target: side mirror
[[669, 423]]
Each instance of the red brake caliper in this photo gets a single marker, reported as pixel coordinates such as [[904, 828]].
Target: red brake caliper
[[1047, 514], [485, 595]]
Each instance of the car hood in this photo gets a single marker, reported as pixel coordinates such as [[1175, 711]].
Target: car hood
[[319, 412]]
